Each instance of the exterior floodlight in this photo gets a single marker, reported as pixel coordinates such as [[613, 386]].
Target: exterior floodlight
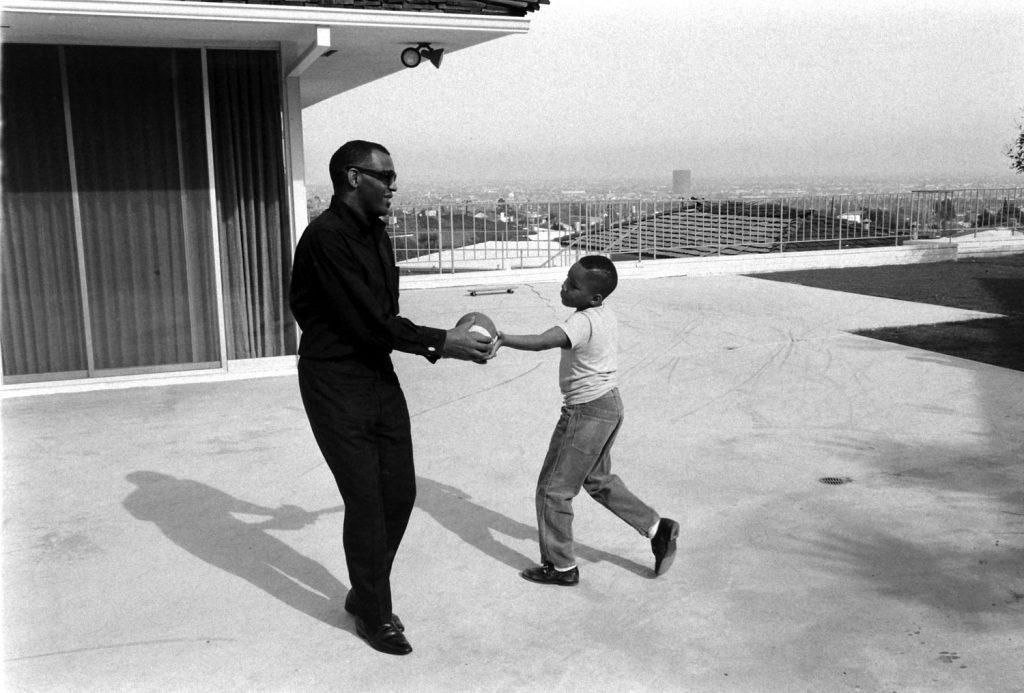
[[411, 57]]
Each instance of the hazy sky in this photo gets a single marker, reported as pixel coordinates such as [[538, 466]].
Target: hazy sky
[[637, 88]]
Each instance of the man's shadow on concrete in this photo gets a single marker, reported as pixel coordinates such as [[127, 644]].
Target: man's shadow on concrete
[[477, 526], [199, 519]]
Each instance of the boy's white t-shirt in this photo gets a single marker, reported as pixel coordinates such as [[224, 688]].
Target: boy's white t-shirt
[[588, 367]]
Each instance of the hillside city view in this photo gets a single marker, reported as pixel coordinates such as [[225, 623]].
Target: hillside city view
[[412, 193], [463, 227]]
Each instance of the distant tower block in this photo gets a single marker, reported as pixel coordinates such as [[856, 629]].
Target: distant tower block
[[681, 182]]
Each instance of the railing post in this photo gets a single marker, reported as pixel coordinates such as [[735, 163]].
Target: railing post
[[718, 229]]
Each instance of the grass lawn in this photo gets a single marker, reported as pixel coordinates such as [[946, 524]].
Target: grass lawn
[[993, 285]]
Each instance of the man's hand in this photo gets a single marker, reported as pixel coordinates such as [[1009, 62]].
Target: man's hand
[[460, 343]]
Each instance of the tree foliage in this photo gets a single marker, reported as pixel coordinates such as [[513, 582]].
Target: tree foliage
[[1016, 150]]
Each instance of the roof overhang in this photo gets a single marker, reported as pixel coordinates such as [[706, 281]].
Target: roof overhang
[[330, 50]]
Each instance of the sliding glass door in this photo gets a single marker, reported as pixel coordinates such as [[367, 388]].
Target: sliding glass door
[[113, 223], [144, 206]]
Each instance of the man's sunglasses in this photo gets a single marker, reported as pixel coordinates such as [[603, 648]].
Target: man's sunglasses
[[388, 178]]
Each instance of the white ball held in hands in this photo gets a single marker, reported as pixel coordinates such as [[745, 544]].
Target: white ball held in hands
[[482, 326]]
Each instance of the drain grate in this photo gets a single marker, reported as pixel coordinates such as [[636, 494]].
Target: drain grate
[[835, 480]]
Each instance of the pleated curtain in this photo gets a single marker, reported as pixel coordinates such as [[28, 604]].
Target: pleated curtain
[[42, 328], [251, 189], [148, 261]]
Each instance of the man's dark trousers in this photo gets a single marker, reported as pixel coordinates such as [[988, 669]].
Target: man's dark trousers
[[361, 423]]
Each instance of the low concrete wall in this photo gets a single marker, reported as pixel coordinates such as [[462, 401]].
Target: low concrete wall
[[706, 266], [985, 244]]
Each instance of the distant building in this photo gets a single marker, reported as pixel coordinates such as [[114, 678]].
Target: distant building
[[681, 182]]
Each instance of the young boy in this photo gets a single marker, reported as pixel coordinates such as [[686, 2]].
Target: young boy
[[579, 455]]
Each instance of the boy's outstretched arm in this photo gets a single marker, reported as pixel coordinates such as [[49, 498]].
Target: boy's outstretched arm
[[553, 338]]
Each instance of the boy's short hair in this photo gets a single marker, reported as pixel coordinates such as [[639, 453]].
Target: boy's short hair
[[601, 274], [350, 154]]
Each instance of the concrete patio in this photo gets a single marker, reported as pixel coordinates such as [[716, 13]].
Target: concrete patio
[[160, 538]]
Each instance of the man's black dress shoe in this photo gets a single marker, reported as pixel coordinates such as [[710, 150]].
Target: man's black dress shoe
[[384, 638], [663, 545], [547, 575], [350, 607]]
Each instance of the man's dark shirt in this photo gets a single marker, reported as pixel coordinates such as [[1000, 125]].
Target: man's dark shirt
[[344, 293]]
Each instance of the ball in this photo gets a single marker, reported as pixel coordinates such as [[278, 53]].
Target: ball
[[483, 325]]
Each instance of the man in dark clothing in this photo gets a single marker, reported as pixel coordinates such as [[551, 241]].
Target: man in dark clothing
[[344, 295]]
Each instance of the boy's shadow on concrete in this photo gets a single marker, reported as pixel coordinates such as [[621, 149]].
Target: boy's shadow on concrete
[[199, 519], [477, 526]]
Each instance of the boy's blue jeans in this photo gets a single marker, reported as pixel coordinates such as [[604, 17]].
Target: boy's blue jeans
[[579, 456]]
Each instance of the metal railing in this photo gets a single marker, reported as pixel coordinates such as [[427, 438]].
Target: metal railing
[[956, 212], [447, 238]]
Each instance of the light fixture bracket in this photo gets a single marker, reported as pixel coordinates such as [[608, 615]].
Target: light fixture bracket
[[412, 56]]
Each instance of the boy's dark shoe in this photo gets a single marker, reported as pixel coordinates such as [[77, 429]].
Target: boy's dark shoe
[[547, 575], [350, 606], [384, 638], [663, 544]]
